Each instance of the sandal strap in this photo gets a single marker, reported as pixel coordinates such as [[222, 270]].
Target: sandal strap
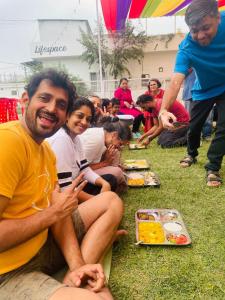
[[188, 159], [213, 176]]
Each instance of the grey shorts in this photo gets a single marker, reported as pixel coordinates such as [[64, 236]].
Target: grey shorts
[[34, 281]]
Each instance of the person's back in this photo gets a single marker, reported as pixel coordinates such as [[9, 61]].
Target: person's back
[[93, 144], [177, 109]]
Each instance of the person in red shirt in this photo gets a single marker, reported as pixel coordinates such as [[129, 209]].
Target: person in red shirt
[[154, 89], [167, 138]]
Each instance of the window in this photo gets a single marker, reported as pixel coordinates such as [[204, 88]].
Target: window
[[93, 77], [13, 92], [145, 80]]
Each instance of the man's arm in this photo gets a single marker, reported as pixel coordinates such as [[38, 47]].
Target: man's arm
[[169, 97], [150, 131], [157, 132], [16, 231]]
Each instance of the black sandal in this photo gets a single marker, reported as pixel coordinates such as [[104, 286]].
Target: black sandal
[[188, 160], [213, 176]]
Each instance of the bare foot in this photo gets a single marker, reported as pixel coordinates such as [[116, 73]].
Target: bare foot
[[213, 183], [184, 165], [120, 233]]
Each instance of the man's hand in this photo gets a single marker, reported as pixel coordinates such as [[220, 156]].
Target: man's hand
[[146, 142], [64, 203], [90, 274], [141, 138], [167, 119]]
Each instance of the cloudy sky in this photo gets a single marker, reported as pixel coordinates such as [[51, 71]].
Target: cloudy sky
[[18, 27]]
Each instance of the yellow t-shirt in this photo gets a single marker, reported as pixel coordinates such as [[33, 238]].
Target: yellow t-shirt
[[27, 177]]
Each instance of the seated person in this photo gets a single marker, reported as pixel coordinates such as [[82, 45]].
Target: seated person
[[115, 107], [167, 138], [127, 105], [154, 89], [70, 157], [106, 106], [97, 102], [43, 229], [102, 147]]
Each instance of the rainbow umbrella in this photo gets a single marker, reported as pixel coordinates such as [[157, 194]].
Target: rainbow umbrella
[[161, 8], [115, 12]]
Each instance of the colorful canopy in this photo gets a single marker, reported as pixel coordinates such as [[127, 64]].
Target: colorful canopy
[[115, 12], [160, 8]]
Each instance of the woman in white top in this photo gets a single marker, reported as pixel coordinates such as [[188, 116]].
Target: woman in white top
[[70, 155], [102, 148]]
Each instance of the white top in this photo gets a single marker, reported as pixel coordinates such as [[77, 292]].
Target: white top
[[70, 158], [93, 142]]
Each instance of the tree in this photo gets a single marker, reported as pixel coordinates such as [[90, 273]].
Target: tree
[[117, 49]]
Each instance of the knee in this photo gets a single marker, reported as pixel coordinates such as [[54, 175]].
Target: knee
[[118, 173], [115, 206]]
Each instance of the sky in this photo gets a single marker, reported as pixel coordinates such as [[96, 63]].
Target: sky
[[18, 28]]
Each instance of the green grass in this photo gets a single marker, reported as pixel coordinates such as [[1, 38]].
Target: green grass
[[193, 272]]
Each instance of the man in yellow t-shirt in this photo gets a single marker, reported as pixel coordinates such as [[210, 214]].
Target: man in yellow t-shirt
[[31, 203]]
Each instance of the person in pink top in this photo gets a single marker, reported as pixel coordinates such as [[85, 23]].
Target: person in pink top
[[154, 89], [127, 105], [167, 138]]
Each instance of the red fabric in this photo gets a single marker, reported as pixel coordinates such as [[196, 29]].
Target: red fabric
[[221, 3], [109, 9], [8, 110], [125, 96], [148, 121], [177, 109], [136, 9], [158, 96]]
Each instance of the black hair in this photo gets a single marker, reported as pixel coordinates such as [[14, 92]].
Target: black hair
[[56, 78], [115, 101], [113, 124], [144, 99], [200, 9], [78, 103], [122, 79], [105, 102], [157, 81]]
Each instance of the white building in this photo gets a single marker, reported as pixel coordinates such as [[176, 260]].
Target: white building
[[59, 46]]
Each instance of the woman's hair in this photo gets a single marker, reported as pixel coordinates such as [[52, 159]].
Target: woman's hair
[[77, 104], [157, 81], [122, 79], [113, 124], [105, 102], [199, 9]]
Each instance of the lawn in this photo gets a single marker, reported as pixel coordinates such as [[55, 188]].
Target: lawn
[[192, 272]]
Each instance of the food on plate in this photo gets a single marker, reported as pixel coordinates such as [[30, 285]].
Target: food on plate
[[151, 232], [135, 179]]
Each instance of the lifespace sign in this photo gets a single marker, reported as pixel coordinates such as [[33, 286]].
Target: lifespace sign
[[41, 50], [49, 49]]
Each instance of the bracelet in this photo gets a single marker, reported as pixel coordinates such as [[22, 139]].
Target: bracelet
[[162, 112]]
